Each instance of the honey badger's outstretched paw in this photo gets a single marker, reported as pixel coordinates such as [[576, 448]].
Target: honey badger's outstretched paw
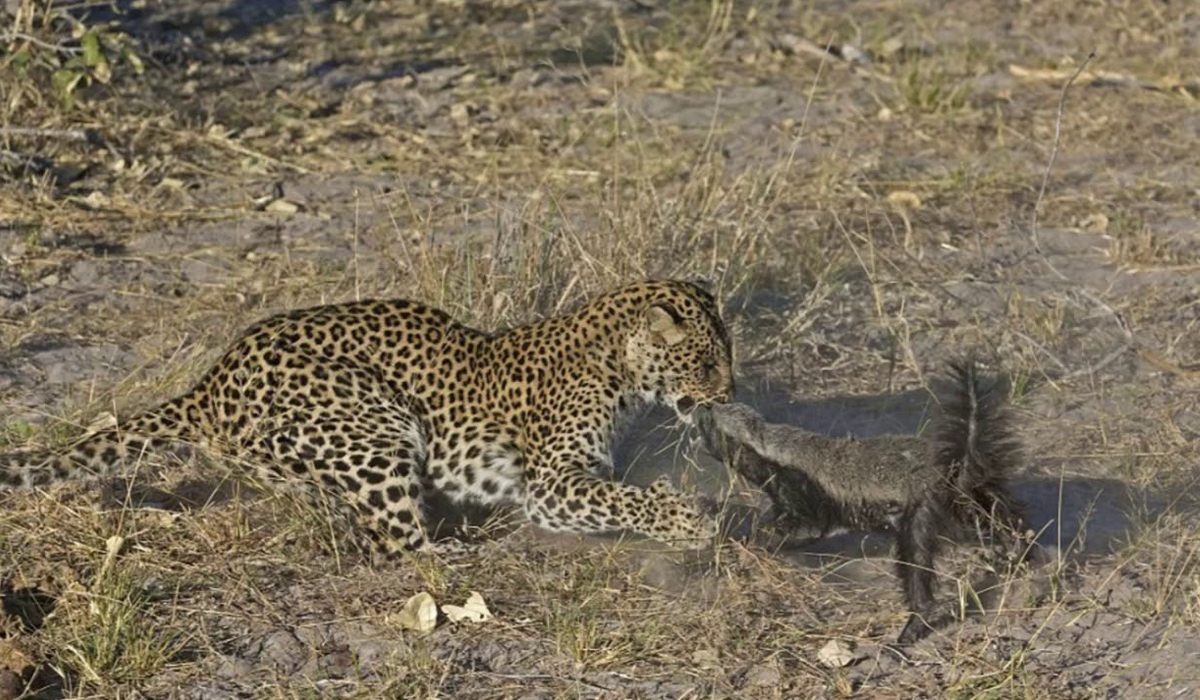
[[739, 422]]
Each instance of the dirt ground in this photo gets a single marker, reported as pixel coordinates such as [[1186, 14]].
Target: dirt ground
[[863, 213]]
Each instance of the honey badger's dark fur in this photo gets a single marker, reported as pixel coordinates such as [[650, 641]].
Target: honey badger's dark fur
[[920, 487]]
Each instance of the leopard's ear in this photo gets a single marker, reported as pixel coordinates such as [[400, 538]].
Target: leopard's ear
[[665, 325]]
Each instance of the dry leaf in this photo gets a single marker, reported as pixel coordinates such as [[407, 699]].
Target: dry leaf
[[474, 610], [904, 198], [836, 654], [103, 421], [282, 206], [1095, 223], [419, 613]]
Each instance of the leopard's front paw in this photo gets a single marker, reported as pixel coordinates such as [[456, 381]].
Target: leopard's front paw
[[696, 530], [681, 521]]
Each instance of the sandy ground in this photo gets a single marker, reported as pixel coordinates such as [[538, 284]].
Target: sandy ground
[[862, 213]]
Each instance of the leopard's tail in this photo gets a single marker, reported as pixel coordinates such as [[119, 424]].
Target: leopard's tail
[[101, 453], [975, 441]]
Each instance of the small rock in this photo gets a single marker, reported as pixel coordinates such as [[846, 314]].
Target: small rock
[[528, 78], [209, 691], [762, 675], [891, 46], [15, 664], [10, 685], [706, 658], [97, 199], [85, 273], [233, 667], [853, 54], [338, 663], [460, 113], [282, 651]]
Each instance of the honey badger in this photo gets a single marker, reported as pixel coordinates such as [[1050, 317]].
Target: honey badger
[[919, 487]]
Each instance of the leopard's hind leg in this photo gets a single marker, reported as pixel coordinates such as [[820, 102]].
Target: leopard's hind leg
[[373, 463]]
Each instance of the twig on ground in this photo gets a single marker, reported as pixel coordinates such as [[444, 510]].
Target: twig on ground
[[1130, 341], [15, 159], [1044, 350], [1102, 78], [226, 143], [1155, 358], [850, 55], [11, 37], [89, 135], [545, 677], [1108, 360], [1037, 203]]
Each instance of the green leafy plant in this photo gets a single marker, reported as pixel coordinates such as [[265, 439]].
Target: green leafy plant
[[44, 40]]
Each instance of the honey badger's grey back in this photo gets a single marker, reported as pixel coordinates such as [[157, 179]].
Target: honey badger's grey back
[[889, 468], [800, 501], [971, 446]]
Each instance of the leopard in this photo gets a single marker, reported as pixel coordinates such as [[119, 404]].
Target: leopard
[[382, 404]]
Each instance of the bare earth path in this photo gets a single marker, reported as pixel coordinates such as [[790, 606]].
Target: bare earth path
[[861, 218]]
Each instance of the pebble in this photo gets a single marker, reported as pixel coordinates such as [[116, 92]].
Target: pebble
[[763, 675]]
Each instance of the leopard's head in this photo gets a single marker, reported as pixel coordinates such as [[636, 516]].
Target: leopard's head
[[679, 351]]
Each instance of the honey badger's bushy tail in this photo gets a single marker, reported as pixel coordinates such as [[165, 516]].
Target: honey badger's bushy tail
[[976, 450], [975, 440], [99, 454]]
